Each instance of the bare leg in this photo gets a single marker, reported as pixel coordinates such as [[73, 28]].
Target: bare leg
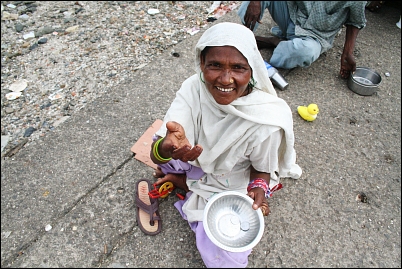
[[267, 42]]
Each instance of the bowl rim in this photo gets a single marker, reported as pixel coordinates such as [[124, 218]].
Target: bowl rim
[[214, 240], [373, 85]]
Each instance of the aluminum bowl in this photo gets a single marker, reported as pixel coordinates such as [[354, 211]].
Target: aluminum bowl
[[364, 81], [231, 223]]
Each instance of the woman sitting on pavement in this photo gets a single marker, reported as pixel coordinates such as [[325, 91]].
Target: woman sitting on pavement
[[227, 130]]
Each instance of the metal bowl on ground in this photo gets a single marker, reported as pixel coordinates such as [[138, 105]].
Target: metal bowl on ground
[[364, 81], [231, 223]]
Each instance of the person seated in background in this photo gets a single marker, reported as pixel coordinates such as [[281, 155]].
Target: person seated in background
[[226, 130], [306, 29]]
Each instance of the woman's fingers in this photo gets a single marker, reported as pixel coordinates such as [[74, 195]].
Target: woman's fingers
[[193, 154], [179, 154], [187, 153], [265, 208], [259, 200]]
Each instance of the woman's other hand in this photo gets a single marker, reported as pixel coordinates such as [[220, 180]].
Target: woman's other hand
[[258, 195], [178, 180]]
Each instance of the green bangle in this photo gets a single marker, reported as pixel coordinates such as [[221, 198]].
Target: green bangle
[[156, 153]]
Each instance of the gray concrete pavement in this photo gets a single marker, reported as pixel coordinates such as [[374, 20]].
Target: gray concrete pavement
[[70, 179]]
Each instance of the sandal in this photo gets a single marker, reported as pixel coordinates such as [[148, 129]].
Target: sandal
[[148, 218]]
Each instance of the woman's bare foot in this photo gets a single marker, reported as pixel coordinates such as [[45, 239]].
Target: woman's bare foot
[[158, 173], [178, 180], [267, 42]]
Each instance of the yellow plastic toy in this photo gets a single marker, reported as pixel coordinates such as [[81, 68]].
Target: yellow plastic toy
[[308, 113]]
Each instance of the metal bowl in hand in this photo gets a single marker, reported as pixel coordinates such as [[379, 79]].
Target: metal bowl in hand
[[231, 223]]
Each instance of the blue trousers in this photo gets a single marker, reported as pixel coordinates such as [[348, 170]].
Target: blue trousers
[[293, 51]]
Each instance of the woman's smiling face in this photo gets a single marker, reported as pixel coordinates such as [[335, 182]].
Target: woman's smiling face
[[226, 73]]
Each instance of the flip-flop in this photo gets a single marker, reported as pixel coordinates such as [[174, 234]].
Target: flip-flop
[[148, 218]]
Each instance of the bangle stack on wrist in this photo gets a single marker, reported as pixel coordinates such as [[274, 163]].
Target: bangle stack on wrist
[[156, 153], [260, 183]]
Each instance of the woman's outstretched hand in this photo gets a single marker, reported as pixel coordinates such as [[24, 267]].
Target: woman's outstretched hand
[[177, 144]]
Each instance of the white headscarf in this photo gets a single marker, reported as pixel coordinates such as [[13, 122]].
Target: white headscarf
[[242, 38]]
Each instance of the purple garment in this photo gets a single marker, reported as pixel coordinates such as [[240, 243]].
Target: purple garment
[[212, 255], [179, 167]]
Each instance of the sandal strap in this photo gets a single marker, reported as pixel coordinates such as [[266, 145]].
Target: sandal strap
[[150, 209]]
